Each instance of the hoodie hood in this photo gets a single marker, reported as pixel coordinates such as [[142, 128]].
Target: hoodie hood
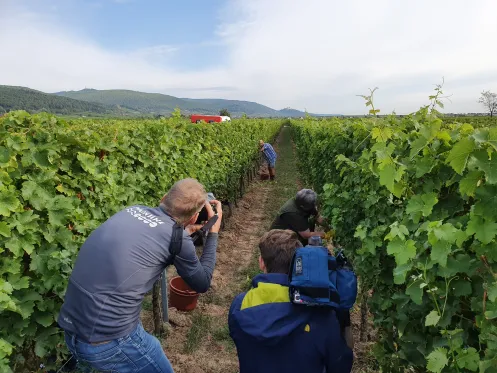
[[265, 311]]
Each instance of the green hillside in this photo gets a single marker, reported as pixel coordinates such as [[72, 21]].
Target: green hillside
[[157, 103], [120, 102], [20, 98], [150, 103], [236, 107]]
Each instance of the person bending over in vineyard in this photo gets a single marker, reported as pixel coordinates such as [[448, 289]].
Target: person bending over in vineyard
[[272, 334], [269, 156], [296, 215], [118, 264]]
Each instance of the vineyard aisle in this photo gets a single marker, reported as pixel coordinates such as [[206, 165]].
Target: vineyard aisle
[[199, 341]]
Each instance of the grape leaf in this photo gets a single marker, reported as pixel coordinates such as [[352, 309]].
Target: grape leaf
[[486, 135], [387, 176], [491, 315], [423, 166], [8, 202], [432, 318], [381, 134], [469, 359], [484, 230], [421, 205], [5, 229], [400, 273], [397, 230], [440, 251], [444, 136], [41, 348], [492, 292], [4, 155], [5, 348], [468, 184], [44, 318], [485, 206], [461, 287], [40, 158], [38, 196], [458, 156], [437, 360], [88, 162], [415, 292], [485, 364], [489, 166], [417, 145], [402, 250], [445, 232], [460, 264]]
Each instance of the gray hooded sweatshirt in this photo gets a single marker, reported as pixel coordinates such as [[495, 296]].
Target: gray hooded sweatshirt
[[118, 264]]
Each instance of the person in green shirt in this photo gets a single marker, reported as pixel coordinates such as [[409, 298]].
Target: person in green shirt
[[300, 215]]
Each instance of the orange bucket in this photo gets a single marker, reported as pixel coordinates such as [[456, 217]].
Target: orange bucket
[[181, 296]]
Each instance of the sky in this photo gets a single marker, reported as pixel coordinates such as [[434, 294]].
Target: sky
[[314, 55]]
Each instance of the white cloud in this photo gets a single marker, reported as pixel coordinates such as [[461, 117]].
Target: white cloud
[[314, 54]]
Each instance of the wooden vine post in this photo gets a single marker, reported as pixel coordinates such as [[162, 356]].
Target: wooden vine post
[[156, 308]]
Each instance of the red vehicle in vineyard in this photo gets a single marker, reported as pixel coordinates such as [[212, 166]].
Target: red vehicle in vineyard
[[197, 118]]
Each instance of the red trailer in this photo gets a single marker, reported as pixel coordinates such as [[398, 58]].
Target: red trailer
[[197, 118]]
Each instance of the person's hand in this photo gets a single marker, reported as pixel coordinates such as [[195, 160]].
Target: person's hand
[[323, 222], [192, 228], [210, 213]]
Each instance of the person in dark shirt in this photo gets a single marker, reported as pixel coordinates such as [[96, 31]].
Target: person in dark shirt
[[272, 334], [118, 264], [296, 215]]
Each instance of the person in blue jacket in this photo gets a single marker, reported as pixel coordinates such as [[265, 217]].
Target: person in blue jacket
[[272, 334]]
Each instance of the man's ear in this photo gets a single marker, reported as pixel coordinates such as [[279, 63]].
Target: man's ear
[[262, 266], [192, 220], [163, 198]]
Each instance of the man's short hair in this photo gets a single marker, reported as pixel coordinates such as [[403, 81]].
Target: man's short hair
[[306, 199], [185, 198], [277, 248]]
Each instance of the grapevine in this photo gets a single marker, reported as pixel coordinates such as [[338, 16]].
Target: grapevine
[[413, 202], [60, 180]]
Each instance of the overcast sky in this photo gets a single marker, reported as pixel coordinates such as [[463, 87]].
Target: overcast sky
[[313, 54]]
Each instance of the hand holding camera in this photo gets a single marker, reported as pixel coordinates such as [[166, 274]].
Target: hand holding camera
[[214, 207]]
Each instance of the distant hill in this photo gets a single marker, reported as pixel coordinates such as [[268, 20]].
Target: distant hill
[[146, 103], [157, 103], [235, 107], [289, 112], [21, 98], [120, 102]]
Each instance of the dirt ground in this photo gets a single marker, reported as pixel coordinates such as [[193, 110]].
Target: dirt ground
[[198, 341]]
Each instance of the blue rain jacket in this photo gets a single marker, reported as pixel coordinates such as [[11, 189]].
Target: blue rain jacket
[[273, 335]]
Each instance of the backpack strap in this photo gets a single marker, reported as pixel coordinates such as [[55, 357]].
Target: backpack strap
[[176, 243]]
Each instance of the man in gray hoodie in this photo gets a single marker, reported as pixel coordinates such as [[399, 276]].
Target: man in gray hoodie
[[118, 264]]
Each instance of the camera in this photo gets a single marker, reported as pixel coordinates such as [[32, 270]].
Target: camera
[[203, 216], [199, 237]]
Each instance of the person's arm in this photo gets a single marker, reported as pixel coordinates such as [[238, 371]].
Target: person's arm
[[308, 234], [197, 273], [299, 223], [345, 327]]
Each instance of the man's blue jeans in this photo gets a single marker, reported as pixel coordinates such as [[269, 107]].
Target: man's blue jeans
[[136, 352]]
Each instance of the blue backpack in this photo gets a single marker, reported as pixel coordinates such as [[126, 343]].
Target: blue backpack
[[319, 279]]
